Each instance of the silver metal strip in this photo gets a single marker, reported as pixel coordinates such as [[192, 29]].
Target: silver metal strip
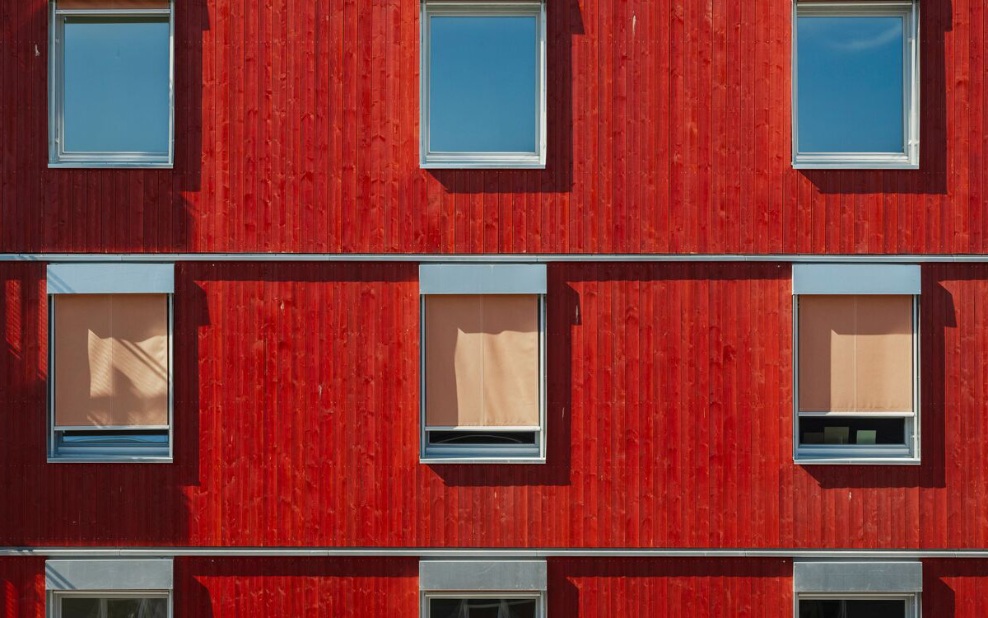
[[111, 278], [514, 258], [484, 553], [107, 574], [898, 279], [878, 576]]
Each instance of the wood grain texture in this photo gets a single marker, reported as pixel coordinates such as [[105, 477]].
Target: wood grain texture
[[669, 421], [669, 129]]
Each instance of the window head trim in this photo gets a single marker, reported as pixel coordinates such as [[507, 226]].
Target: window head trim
[[861, 280], [58, 157], [429, 159], [908, 158], [859, 581]]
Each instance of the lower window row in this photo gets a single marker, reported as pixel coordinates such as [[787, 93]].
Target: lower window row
[[492, 588], [483, 363]]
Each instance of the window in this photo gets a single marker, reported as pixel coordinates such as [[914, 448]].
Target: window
[[483, 84], [857, 392], [109, 588], [483, 589], [110, 92], [843, 589], [856, 85], [110, 362], [483, 360]]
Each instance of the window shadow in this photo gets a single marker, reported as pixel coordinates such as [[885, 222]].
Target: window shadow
[[563, 21], [68, 504], [936, 314], [562, 315], [82, 210], [931, 177], [206, 587]]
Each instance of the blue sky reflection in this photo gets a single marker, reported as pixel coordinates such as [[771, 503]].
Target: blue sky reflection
[[116, 85], [850, 84], [482, 95]]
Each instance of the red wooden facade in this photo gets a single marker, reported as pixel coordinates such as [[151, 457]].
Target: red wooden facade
[[669, 418], [669, 132]]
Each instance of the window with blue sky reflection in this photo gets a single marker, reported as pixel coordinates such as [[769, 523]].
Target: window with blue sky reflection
[[856, 85], [116, 95], [850, 84], [483, 83]]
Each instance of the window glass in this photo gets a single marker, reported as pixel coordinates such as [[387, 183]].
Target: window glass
[[483, 83], [136, 608], [850, 83], [116, 85], [854, 608], [80, 608], [482, 608]]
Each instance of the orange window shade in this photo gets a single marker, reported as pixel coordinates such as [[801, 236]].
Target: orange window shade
[[113, 4], [482, 360], [111, 360], [855, 354]]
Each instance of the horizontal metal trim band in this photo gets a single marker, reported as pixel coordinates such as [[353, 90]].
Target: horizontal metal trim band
[[487, 552], [515, 258]]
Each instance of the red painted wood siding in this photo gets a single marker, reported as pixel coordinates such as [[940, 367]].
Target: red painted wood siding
[[669, 131], [669, 421], [388, 588]]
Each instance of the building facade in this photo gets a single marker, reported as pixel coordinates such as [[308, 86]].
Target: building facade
[[250, 417]]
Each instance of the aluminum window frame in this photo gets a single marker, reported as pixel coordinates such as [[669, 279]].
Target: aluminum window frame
[[908, 158], [538, 596], [115, 279], [470, 280], [912, 599], [55, 598], [58, 157], [482, 159], [833, 283]]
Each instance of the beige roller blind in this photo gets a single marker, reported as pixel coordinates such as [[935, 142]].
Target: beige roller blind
[[112, 4], [855, 354], [482, 360], [111, 360]]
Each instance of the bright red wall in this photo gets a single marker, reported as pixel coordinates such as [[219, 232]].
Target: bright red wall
[[669, 421], [669, 131]]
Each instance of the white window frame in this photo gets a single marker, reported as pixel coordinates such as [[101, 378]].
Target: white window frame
[[482, 160], [862, 280], [56, 598], [109, 279], [912, 600], [908, 158], [58, 157], [483, 579], [539, 597], [107, 578], [487, 279]]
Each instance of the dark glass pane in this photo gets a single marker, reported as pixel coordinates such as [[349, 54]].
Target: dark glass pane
[[116, 437], [850, 84], [879, 431], [482, 83], [116, 85], [137, 608], [80, 608], [482, 608], [817, 608], [482, 437]]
